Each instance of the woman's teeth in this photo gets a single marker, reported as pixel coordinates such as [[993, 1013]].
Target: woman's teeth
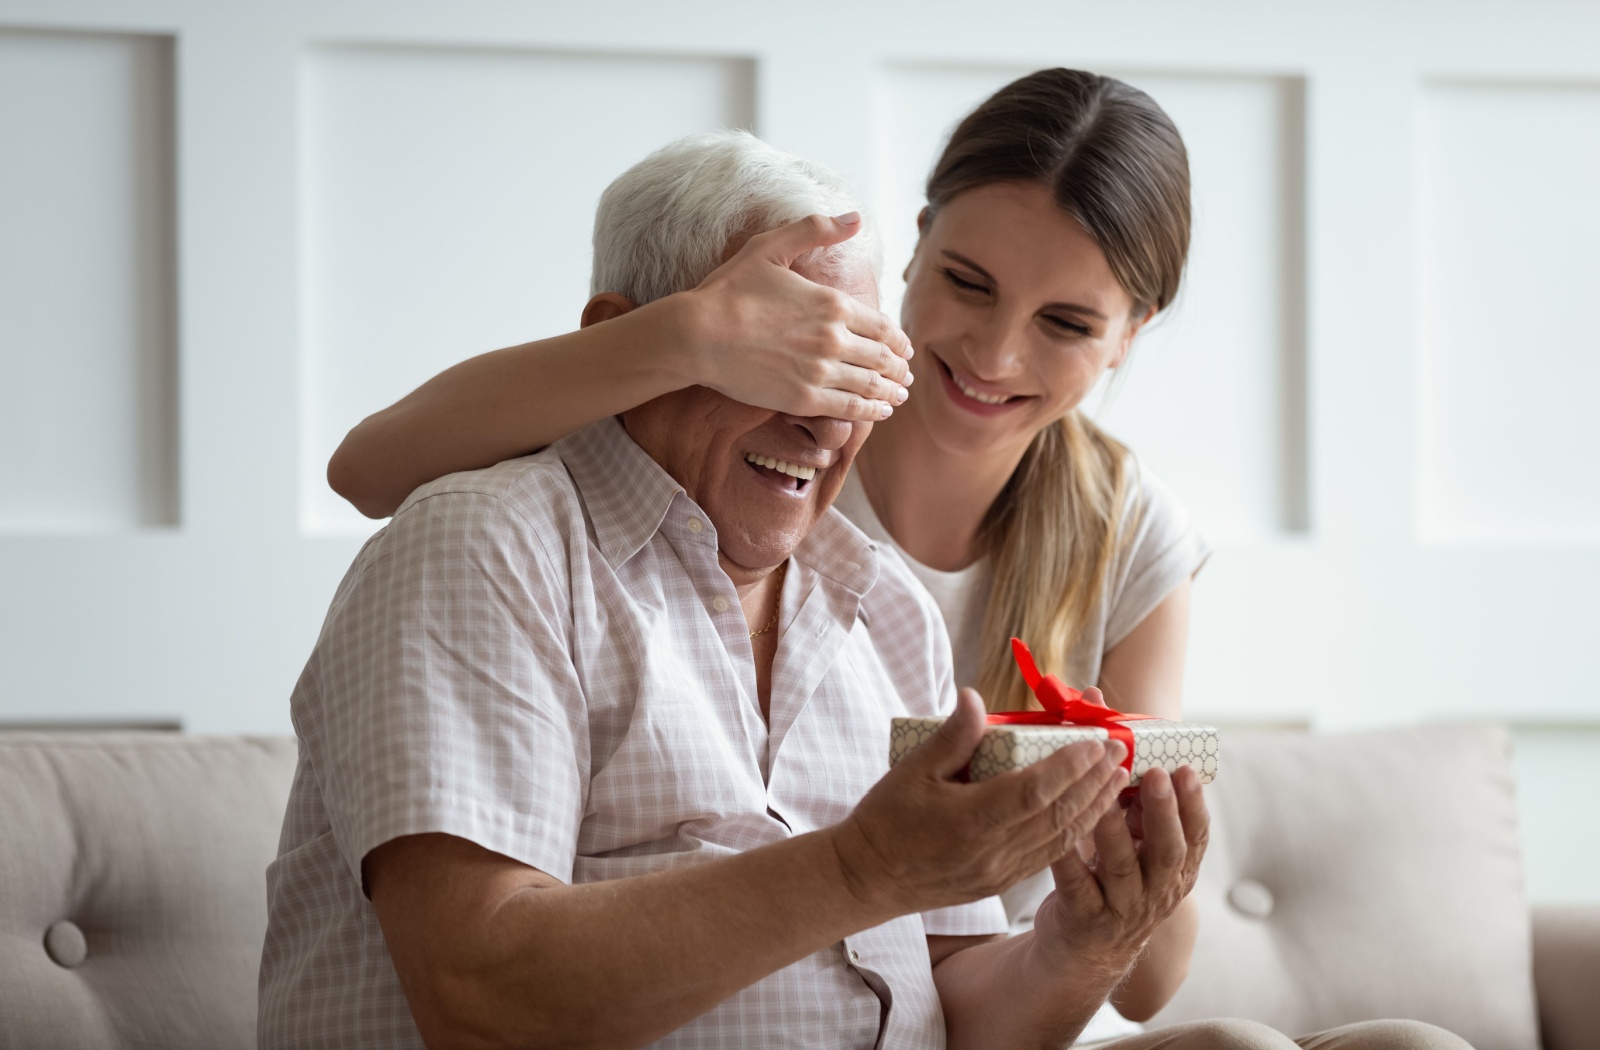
[[988, 399], [782, 467]]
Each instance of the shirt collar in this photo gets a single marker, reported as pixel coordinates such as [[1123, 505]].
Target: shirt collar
[[626, 492], [837, 550], [628, 496]]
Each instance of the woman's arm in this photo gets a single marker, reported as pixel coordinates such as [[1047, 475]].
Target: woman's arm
[[754, 330], [1143, 674]]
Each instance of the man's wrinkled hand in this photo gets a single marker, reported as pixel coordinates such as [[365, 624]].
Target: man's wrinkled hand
[[1109, 899], [923, 838]]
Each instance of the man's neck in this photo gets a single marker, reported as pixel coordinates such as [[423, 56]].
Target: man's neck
[[756, 589]]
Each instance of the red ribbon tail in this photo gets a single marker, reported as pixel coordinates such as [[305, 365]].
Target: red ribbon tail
[[1024, 658]]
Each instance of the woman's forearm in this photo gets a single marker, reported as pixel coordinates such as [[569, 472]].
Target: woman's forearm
[[1162, 966], [508, 403]]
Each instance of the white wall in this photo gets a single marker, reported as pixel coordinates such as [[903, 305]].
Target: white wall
[[228, 231]]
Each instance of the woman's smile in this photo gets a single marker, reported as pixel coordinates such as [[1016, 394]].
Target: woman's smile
[[980, 398], [1020, 310]]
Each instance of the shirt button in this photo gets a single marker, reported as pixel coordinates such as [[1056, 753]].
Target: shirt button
[[855, 956], [719, 604], [694, 525]]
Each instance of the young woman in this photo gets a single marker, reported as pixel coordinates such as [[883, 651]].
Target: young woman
[[1056, 227]]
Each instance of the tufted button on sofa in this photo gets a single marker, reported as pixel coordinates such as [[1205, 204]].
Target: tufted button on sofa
[[132, 889], [1349, 877]]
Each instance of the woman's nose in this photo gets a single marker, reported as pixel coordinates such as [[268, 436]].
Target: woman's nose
[[995, 349]]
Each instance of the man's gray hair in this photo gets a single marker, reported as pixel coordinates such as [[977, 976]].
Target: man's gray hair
[[664, 224]]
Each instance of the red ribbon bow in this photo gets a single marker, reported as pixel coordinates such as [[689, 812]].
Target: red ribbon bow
[[1064, 705]]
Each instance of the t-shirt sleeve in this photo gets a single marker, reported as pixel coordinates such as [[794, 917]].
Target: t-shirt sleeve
[[447, 701], [1165, 550]]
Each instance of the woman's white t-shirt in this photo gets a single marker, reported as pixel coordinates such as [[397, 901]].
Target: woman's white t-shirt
[[1163, 551]]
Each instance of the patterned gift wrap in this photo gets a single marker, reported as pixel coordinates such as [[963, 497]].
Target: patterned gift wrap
[[1156, 742]]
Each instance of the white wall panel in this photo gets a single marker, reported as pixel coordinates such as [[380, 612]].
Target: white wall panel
[[1214, 395], [1509, 219], [449, 200], [87, 337]]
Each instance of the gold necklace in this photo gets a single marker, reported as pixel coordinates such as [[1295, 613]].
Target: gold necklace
[[782, 571]]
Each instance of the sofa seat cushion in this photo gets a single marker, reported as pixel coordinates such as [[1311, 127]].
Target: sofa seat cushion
[[1368, 875], [132, 887]]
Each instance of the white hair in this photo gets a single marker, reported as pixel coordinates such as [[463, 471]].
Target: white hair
[[664, 224]]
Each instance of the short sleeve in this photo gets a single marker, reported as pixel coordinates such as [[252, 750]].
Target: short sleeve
[[1165, 550], [987, 916], [446, 700]]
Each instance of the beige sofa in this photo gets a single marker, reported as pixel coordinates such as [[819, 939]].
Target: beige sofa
[[1349, 877]]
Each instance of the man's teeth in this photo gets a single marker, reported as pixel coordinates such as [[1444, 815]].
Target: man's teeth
[[988, 399], [782, 467]]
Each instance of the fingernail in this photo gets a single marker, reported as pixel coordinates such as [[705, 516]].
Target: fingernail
[[911, 352], [904, 393], [885, 410], [1116, 752], [910, 379], [1160, 786], [849, 218]]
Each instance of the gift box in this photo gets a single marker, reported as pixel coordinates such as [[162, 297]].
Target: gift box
[[1018, 739]]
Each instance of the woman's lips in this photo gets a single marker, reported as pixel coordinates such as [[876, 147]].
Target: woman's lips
[[972, 404]]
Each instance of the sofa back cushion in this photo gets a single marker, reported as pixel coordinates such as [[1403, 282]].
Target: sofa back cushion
[[132, 887], [1366, 875]]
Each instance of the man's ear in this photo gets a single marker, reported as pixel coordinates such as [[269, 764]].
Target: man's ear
[[604, 307]]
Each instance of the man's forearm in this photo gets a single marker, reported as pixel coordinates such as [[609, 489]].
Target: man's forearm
[[1162, 966], [1009, 993], [623, 962]]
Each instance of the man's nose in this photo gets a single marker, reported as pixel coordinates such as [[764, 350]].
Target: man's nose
[[826, 433]]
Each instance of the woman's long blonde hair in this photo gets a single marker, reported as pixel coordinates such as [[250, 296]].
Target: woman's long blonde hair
[[1116, 163]]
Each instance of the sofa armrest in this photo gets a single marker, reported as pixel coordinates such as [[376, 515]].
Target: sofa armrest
[[1566, 974]]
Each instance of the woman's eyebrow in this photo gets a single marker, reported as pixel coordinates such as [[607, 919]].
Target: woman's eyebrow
[[1076, 308]]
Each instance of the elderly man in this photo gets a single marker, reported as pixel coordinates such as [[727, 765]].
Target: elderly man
[[593, 743]]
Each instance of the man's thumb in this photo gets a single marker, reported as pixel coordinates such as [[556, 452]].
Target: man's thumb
[[788, 243], [948, 751]]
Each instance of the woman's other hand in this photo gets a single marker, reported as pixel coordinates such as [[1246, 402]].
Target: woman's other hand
[[763, 334]]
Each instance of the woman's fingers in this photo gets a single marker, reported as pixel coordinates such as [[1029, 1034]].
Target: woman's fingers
[[786, 244], [864, 382], [877, 326], [868, 355]]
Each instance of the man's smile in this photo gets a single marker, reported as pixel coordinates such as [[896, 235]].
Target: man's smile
[[784, 475]]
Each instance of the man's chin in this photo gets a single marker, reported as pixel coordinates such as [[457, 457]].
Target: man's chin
[[758, 548]]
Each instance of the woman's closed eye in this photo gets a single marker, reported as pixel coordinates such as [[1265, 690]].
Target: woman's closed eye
[[1061, 324], [963, 284]]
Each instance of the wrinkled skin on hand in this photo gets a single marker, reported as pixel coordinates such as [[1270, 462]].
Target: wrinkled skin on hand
[[1143, 863], [922, 838]]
